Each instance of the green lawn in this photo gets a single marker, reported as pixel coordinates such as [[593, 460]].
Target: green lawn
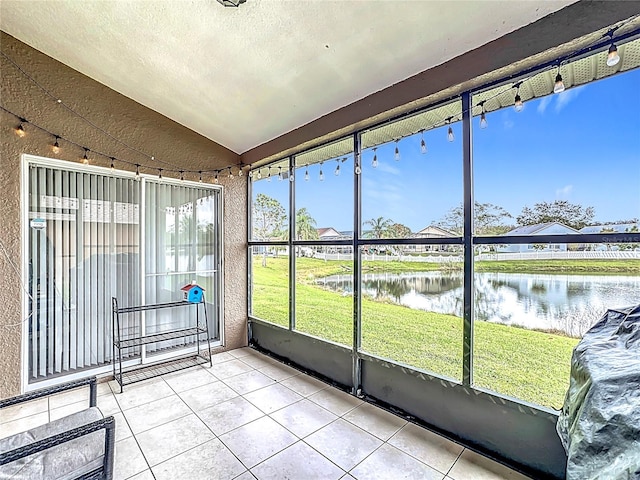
[[530, 365]]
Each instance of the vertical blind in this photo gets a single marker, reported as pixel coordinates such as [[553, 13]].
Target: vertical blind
[[85, 240]]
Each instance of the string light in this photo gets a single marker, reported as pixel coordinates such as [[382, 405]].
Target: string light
[[337, 170], [215, 179], [200, 172], [240, 171], [306, 173], [55, 148], [181, 176], [280, 173], [423, 144], [517, 101], [137, 172], [85, 159], [230, 172], [160, 175], [20, 129], [291, 178], [396, 153], [259, 174], [269, 175], [374, 162], [321, 174], [113, 167], [559, 85], [358, 170], [483, 117], [450, 136], [612, 57]]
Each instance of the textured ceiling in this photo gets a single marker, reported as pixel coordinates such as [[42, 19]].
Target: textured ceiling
[[243, 76]]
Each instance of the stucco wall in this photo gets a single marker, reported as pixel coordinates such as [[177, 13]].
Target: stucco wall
[[129, 122]]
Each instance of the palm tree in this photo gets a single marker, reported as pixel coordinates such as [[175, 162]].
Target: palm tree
[[305, 226], [379, 227]]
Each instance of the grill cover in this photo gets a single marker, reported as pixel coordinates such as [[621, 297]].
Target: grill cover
[[599, 425]]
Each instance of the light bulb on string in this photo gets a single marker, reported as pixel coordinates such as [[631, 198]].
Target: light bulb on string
[[559, 85], [423, 144], [483, 117], [291, 176], [137, 173], [259, 174], [396, 152], [613, 57], [337, 170], [450, 135], [181, 176], [200, 172], [160, 175], [20, 131], [240, 171], [85, 158], [113, 166], [321, 174], [374, 162], [306, 174], [280, 173], [517, 101], [230, 172], [357, 170], [269, 175], [55, 148], [215, 178]]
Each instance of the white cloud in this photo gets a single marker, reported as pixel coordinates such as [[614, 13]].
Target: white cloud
[[544, 103], [567, 97], [386, 167], [564, 191]]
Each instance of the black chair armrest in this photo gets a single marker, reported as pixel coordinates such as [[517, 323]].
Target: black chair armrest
[[107, 423], [91, 381]]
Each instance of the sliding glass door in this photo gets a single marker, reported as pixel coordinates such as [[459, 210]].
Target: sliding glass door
[[91, 235]]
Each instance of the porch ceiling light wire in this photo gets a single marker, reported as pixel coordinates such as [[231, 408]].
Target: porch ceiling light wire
[[59, 101]]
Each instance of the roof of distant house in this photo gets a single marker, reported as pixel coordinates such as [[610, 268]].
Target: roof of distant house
[[538, 228], [433, 230], [329, 231], [618, 228]]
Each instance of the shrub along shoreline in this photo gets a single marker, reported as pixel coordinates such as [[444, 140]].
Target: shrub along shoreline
[[526, 364]]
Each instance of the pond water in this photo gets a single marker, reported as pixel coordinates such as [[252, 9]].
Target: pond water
[[568, 303]]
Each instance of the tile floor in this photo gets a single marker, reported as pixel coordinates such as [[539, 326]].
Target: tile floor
[[251, 417]]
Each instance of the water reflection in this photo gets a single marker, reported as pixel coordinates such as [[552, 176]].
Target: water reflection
[[566, 303]]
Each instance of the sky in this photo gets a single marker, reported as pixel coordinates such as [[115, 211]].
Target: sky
[[582, 145]]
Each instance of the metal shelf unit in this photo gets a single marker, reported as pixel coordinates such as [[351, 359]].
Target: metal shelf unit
[[142, 372]]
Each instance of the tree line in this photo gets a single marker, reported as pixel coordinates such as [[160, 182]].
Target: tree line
[[270, 220]]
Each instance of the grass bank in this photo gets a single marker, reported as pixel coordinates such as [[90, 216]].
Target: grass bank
[[529, 365]]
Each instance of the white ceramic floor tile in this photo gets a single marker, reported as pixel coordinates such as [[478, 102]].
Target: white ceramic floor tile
[[248, 382], [128, 459], [303, 417], [336, 401], [220, 358], [143, 392], [428, 447], [122, 427], [70, 396], [153, 414], [279, 371], [258, 440], [272, 398], [242, 352], [188, 379], [204, 462], [258, 361], [22, 424], [343, 443], [472, 466], [304, 384], [65, 410], [108, 404], [27, 409], [299, 461], [207, 395], [228, 415], [245, 476], [171, 439], [376, 421], [146, 475], [389, 463], [230, 368]]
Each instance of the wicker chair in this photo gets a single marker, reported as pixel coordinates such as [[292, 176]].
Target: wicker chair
[[72, 447]]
